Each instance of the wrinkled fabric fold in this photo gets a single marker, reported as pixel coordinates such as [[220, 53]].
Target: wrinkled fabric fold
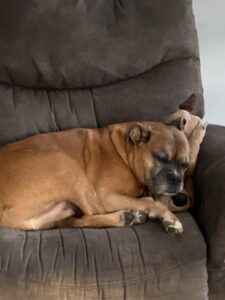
[[80, 262]]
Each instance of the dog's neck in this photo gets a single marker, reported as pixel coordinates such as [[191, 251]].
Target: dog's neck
[[119, 143], [123, 149]]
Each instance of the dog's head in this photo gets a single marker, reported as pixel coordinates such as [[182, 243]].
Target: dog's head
[[162, 152]]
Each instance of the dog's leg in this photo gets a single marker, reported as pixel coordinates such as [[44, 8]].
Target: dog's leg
[[20, 219], [154, 209], [60, 215], [115, 219]]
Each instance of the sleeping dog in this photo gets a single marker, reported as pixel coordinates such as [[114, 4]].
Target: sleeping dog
[[93, 177]]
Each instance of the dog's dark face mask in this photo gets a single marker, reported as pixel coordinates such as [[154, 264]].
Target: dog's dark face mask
[[162, 152], [167, 176]]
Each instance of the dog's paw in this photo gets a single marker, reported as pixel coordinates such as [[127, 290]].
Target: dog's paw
[[133, 217], [174, 227], [199, 132]]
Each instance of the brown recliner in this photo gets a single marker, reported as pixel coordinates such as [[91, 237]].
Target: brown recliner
[[89, 63]]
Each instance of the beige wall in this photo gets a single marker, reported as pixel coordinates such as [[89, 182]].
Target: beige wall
[[210, 20]]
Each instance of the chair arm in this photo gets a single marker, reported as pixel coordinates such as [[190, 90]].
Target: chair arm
[[209, 180]]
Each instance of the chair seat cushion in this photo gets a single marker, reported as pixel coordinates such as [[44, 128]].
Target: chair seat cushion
[[140, 262]]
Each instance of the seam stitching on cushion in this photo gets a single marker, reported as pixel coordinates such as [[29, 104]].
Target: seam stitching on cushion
[[39, 75], [61, 243], [73, 109], [24, 243], [139, 247], [94, 107], [120, 5], [52, 111], [13, 99], [110, 244], [9, 75], [85, 247], [193, 58], [129, 281], [212, 165], [39, 255]]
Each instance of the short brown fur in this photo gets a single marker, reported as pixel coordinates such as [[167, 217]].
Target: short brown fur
[[44, 178]]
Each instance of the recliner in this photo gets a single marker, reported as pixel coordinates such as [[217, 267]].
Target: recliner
[[90, 63]]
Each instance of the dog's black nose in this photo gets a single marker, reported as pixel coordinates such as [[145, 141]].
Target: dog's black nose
[[174, 179], [180, 199]]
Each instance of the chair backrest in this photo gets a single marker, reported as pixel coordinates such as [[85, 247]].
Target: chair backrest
[[89, 63]]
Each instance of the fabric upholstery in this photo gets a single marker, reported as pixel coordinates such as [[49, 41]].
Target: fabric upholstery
[[210, 189], [142, 262], [89, 63], [83, 63]]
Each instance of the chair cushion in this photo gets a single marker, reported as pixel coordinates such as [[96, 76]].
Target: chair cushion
[[140, 262], [89, 63]]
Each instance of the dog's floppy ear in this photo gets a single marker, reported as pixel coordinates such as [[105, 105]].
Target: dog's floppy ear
[[139, 133], [179, 122], [189, 104]]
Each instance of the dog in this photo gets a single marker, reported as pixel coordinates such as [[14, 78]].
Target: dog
[[93, 177], [194, 129]]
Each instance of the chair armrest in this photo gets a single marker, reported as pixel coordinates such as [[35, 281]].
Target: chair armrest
[[209, 180]]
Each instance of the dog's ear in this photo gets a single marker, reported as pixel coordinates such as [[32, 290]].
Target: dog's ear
[[139, 134], [179, 122], [189, 104]]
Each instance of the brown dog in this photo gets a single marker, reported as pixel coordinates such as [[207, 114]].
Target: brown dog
[[92, 177]]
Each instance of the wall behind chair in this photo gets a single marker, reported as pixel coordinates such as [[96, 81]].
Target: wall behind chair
[[210, 21]]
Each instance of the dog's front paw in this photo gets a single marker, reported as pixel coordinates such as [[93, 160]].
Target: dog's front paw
[[133, 217], [174, 227]]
